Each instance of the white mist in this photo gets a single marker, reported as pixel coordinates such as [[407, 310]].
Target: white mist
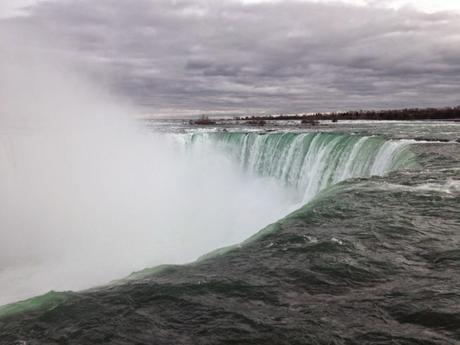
[[86, 196]]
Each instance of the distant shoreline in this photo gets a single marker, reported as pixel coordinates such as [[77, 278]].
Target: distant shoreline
[[412, 114]]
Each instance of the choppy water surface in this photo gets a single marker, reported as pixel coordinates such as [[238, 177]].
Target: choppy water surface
[[371, 256], [431, 130]]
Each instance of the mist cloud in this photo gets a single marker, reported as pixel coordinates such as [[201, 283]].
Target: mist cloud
[[88, 196]]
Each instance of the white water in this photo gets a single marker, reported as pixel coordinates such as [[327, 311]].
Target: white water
[[451, 187], [307, 163]]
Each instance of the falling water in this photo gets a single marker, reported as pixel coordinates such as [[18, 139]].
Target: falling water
[[309, 162]]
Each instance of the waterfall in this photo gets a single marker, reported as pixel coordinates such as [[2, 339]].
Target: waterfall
[[308, 162]]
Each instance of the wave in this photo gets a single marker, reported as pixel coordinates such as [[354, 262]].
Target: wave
[[450, 187]]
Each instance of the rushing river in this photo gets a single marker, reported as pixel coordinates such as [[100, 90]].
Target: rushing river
[[362, 246]]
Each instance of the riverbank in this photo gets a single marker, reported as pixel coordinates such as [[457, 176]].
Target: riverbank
[[417, 114]]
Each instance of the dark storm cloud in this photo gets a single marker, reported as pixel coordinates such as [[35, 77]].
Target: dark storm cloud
[[278, 57]]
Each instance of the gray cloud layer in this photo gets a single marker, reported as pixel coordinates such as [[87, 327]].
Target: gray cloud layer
[[275, 57]]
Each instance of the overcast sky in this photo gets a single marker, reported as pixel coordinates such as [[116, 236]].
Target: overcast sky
[[254, 56]]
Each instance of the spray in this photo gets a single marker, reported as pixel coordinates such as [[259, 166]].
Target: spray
[[88, 195]]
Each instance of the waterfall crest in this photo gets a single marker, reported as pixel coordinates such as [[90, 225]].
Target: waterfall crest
[[309, 162]]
